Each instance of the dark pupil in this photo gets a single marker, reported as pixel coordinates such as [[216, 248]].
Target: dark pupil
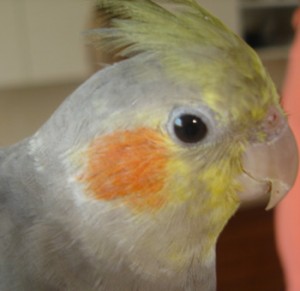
[[190, 128]]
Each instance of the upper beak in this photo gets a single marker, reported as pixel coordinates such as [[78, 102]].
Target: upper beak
[[270, 167]]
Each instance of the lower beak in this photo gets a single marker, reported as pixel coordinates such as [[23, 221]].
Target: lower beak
[[270, 168]]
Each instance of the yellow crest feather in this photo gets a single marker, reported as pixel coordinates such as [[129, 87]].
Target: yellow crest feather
[[145, 26], [194, 47]]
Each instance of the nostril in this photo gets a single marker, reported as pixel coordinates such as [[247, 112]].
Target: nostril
[[270, 128], [273, 120], [273, 124]]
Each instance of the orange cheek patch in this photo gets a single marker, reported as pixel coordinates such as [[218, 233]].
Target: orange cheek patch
[[129, 165]]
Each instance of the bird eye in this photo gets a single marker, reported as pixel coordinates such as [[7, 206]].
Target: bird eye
[[191, 125], [189, 128]]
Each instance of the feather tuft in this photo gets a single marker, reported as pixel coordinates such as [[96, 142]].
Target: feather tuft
[[193, 46], [167, 28]]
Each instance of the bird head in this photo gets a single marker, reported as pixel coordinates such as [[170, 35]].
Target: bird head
[[160, 149]]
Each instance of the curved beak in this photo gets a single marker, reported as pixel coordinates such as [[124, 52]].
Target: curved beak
[[270, 168]]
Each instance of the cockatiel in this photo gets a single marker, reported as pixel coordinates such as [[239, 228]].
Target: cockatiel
[[131, 181]]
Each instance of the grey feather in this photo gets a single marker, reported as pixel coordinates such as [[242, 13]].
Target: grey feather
[[50, 240]]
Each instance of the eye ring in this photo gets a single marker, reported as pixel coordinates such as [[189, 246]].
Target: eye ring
[[189, 126]]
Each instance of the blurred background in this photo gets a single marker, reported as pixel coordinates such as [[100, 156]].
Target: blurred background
[[44, 56]]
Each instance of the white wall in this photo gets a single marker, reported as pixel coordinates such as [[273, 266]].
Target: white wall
[[42, 41], [226, 10]]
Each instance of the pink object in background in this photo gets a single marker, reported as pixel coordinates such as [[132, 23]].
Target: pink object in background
[[288, 211]]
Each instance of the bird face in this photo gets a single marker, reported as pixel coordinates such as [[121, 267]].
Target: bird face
[[160, 178]]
